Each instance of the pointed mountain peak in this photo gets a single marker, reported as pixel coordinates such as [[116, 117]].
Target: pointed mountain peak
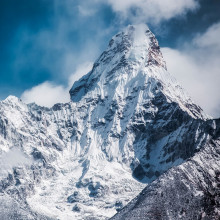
[[128, 52], [131, 62], [12, 99], [137, 35], [135, 43]]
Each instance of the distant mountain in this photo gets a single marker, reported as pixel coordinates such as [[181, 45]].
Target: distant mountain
[[128, 122]]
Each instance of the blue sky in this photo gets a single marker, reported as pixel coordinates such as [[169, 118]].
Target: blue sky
[[47, 44]]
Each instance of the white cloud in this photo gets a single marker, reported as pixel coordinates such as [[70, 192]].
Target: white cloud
[[47, 94], [197, 67], [153, 10], [12, 158], [210, 39], [80, 71], [86, 11]]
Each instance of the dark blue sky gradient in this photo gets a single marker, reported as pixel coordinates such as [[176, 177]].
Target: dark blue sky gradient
[[45, 40]]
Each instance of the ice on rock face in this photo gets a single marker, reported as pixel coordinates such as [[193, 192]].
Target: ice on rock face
[[128, 122]]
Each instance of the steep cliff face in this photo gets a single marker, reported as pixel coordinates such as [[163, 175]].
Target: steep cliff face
[[188, 191], [129, 121]]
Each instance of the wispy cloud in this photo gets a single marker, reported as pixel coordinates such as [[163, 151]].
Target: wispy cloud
[[209, 39], [52, 53], [11, 159], [197, 67], [152, 11], [74, 38], [47, 93], [80, 71]]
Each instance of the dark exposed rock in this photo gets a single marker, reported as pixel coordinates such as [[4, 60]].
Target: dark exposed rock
[[73, 198], [76, 208]]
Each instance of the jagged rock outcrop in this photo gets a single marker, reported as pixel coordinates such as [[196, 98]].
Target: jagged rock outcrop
[[128, 122]]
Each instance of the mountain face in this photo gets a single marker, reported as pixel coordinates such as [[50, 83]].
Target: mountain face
[[188, 191], [128, 122]]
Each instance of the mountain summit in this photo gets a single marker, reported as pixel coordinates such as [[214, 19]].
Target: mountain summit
[[132, 56], [128, 122], [127, 52]]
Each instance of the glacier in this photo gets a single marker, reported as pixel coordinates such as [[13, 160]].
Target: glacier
[[128, 122]]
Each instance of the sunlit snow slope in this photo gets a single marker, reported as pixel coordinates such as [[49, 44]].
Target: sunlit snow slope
[[128, 122]]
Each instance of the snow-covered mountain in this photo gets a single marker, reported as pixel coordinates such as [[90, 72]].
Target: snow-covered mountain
[[128, 122]]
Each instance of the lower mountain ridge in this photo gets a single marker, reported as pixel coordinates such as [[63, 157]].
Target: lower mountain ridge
[[129, 125], [188, 191]]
